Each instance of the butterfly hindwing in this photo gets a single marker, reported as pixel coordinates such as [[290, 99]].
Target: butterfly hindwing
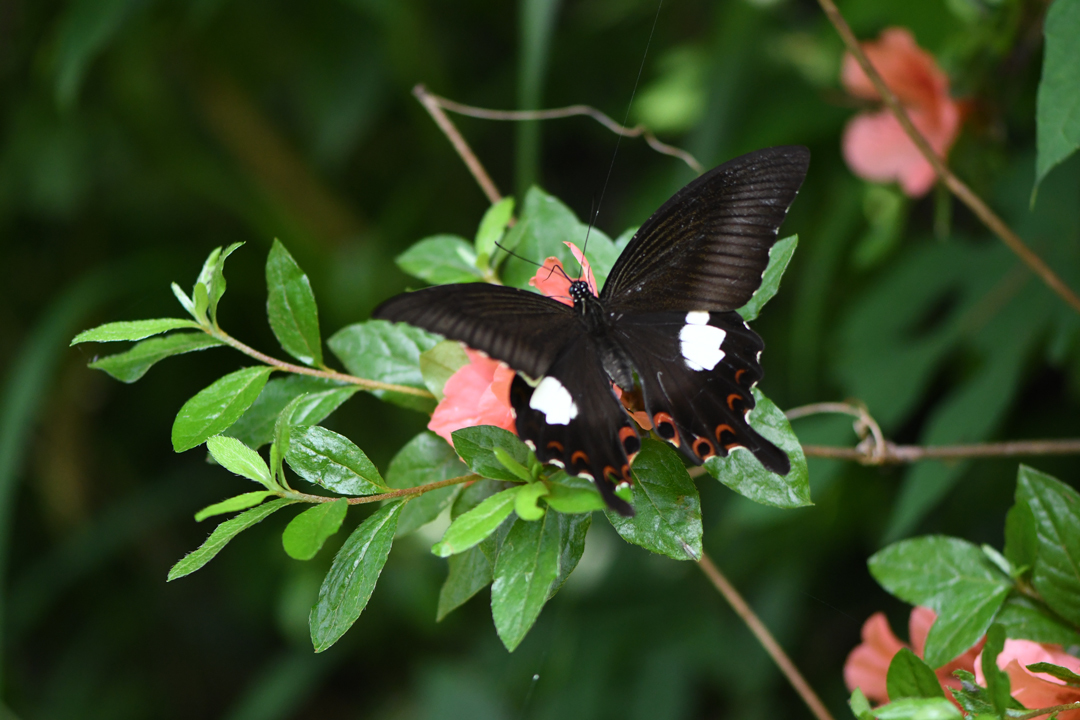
[[572, 418], [707, 247], [696, 371]]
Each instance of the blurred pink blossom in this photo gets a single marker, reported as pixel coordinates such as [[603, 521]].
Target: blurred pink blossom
[[875, 147], [868, 664], [1036, 690], [477, 394]]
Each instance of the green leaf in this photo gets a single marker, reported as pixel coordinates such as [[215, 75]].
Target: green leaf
[[221, 536], [322, 397], [131, 365], [545, 224], [1025, 619], [237, 457], [217, 407], [202, 303], [441, 259], [348, 586], [475, 494], [186, 302], [919, 709], [332, 461], [572, 495], [533, 562], [131, 330], [290, 305], [213, 276], [238, 502], [742, 472], [476, 446], [1058, 105], [525, 501], [667, 510], [475, 525], [427, 458], [997, 681], [1021, 537], [439, 363], [973, 698], [470, 572], [860, 706], [512, 465], [389, 353], [779, 257], [910, 677], [953, 578], [1056, 509], [306, 533], [1068, 676], [493, 225]]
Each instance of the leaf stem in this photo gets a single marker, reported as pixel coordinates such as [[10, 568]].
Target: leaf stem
[[1045, 711], [742, 609], [229, 340], [965, 194], [403, 492]]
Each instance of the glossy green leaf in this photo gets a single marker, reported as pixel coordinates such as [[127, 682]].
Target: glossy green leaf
[[221, 536], [779, 257], [427, 458], [953, 578], [1026, 619], [216, 284], [332, 461], [356, 568], [387, 352], [441, 259], [233, 504], [306, 533], [525, 502], [543, 227], [131, 330], [1021, 537], [470, 572], [493, 225], [973, 698], [742, 472], [201, 296], [476, 446], [1058, 105], [322, 397], [131, 365], [475, 525], [667, 510], [507, 461], [532, 563], [572, 495], [185, 302], [1056, 509], [217, 407], [1061, 673], [475, 494], [910, 677], [919, 709], [860, 706], [237, 457], [997, 680], [290, 305], [441, 362]]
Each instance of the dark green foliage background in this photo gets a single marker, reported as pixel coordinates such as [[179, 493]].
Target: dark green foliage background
[[137, 136]]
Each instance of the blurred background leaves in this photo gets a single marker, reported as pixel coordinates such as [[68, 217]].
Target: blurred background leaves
[[139, 134]]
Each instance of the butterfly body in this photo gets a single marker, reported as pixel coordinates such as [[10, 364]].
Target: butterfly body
[[665, 320]]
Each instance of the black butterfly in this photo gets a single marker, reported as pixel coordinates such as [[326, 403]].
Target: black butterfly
[[665, 314]]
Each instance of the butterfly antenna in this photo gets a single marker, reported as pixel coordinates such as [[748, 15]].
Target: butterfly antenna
[[585, 245], [511, 253], [626, 117]]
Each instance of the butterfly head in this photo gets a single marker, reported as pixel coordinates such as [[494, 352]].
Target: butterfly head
[[579, 290]]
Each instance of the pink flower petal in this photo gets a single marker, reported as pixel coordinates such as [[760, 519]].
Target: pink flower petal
[[908, 70], [868, 664], [1035, 690], [553, 281], [477, 394]]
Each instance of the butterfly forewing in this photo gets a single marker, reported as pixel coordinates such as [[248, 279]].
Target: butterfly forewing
[[706, 247]]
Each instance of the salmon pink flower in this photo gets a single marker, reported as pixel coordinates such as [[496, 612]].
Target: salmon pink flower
[[868, 664], [875, 146], [553, 281], [1036, 690], [477, 394]]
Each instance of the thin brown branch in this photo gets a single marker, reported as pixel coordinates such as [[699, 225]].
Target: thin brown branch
[[302, 370], [965, 194], [565, 112], [739, 605], [432, 105], [403, 492]]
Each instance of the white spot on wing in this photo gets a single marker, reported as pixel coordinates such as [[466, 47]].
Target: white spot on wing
[[700, 342], [552, 399]]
